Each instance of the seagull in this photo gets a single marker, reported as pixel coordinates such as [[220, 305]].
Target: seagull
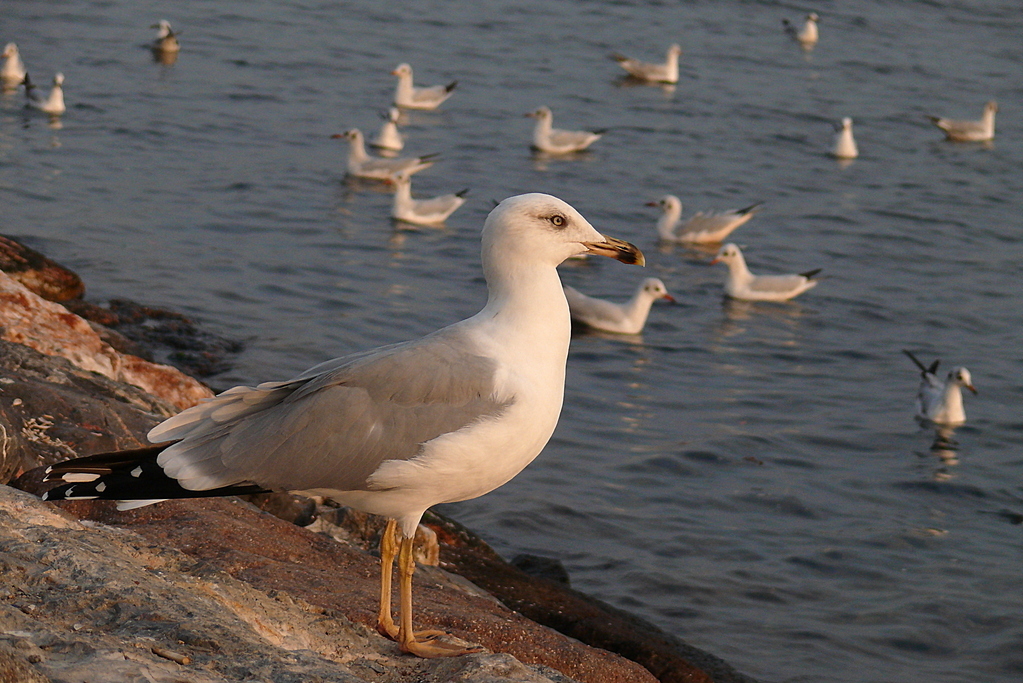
[[969, 131], [845, 145], [556, 141], [666, 72], [423, 211], [742, 284], [13, 72], [166, 40], [627, 318], [938, 401], [395, 430], [410, 97], [806, 36], [362, 165], [709, 227], [389, 137], [52, 104]]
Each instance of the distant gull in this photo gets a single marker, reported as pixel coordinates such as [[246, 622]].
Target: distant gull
[[969, 131], [742, 284], [556, 141], [362, 165], [661, 72], [389, 137], [845, 145], [166, 40], [52, 104], [807, 35], [395, 430], [410, 97], [423, 211], [703, 227], [939, 401], [13, 72], [627, 318]]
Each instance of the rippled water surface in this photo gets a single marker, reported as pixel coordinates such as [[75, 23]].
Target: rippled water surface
[[749, 477]]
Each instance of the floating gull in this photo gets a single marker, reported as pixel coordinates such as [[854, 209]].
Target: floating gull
[[742, 284], [703, 227], [166, 40], [389, 137], [627, 318], [53, 104], [807, 35], [556, 141], [362, 165], [13, 72], [939, 401], [969, 131], [395, 430], [845, 145], [410, 97], [422, 211], [665, 72]]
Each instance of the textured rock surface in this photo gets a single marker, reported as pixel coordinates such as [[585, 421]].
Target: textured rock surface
[[41, 275]]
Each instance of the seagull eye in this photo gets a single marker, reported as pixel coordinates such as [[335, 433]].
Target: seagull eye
[[558, 221]]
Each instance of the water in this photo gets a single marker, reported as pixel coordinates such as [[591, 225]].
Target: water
[[748, 477]]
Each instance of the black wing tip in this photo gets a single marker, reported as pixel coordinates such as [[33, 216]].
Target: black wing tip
[[429, 157], [600, 131], [752, 208], [617, 56], [462, 193], [810, 273], [451, 86], [923, 368]]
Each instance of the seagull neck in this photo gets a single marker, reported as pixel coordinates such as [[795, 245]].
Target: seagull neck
[[542, 131], [403, 91], [638, 307], [668, 222], [357, 150], [671, 66], [952, 402], [739, 271], [528, 301], [403, 193]]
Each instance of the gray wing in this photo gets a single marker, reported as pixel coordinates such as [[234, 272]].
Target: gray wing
[[777, 283], [332, 426]]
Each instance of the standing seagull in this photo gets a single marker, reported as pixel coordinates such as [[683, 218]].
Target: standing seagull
[[395, 430], [53, 104], [969, 131], [423, 211], [662, 72], [742, 284], [166, 41], [410, 97], [710, 227], [627, 318], [389, 137], [362, 165], [556, 141], [806, 36], [938, 401], [845, 144], [13, 72]]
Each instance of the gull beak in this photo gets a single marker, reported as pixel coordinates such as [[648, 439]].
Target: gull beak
[[669, 297], [716, 260], [971, 388], [652, 204], [619, 250]]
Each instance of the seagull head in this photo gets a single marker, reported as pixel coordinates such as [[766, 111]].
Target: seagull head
[[991, 106], [655, 289], [668, 202], [812, 16], [541, 113], [961, 376], [58, 79], [352, 134], [728, 254], [10, 50], [402, 69]]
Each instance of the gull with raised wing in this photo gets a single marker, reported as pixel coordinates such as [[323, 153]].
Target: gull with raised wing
[[556, 141], [807, 35], [409, 96], [12, 74], [389, 137], [423, 211], [845, 145], [361, 165], [969, 131], [627, 318], [703, 227], [941, 401], [166, 40], [659, 72], [742, 284], [52, 104]]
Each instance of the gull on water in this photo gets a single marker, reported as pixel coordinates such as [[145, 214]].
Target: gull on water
[[389, 137], [807, 35], [703, 227], [410, 97], [742, 284], [969, 131], [423, 211], [627, 318], [941, 402], [166, 40], [13, 72], [845, 144], [394, 430], [52, 104], [557, 141], [661, 72], [362, 165]]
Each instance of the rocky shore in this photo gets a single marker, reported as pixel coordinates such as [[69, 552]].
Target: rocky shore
[[274, 588]]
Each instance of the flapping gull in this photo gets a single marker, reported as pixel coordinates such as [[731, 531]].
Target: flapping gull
[[742, 284], [556, 141], [627, 318], [166, 40], [703, 227], [432, 211], [845, 145], [807, 35], [969, 131], [410, 97], [394, 430], [52, 104], [389, 137], [362, 165], [12, 74], [940, 401], [661, 72]]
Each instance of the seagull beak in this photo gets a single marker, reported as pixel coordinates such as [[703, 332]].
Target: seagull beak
[[669, 297], [652, 204], [971, 388], [619, 250], [716, 260]]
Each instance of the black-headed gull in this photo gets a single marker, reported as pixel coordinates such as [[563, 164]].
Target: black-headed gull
[[52, 104], [742, 284], [703, 227], [807, 35], [361, 165], [389, 137], [166, 40], [395, 430], [627, 318], [557, 141], [940, 401], [12, 74], [969, 131], [409, 96], [845, 145], [660, 72], [432, 211]]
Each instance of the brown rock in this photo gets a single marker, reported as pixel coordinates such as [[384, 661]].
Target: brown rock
[[39, 274]]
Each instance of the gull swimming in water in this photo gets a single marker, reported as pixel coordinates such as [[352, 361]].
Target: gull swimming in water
[[807, 35], [362, 165], [423, 211], [627, 318], [389, 137], [166, 40], [845, 144], [394, 430], [557, 141], [742, 284], [52, 104], [703, 227], [969, 131], [410, 97], [13, 72], [939, 401], [661, 72]]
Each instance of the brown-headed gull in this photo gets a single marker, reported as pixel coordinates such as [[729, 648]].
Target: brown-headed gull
[[394, 430], [660, 72], [556, 141], [939, 401], [12, 74], [742, 284], [969, 131], [166, 40], [409, 96], [361, 165], [52, 104], [389, 137], [845, 145], [422, 211], [806, 36], [703, 227], [627, 318]]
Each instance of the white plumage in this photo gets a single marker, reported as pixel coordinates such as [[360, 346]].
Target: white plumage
[[742, 284], [552, 140], [626, 318], [656, 72], [703, 227]]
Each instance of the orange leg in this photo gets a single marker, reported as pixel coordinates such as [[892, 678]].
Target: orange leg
[[388, 549]]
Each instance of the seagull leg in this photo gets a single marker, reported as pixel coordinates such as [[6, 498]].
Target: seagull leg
[[388, 549]]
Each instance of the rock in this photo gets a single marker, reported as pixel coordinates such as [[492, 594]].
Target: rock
[[542, 568], [39, 274]]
